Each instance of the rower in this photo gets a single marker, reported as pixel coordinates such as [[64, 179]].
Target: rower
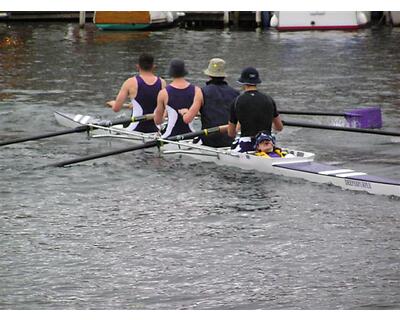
[[142, 90], [265, 147], [252, 112], [213, 104], [179, 94]]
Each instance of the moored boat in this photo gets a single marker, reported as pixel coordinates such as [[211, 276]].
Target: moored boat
[[134, 20], [393, 18], [298, 164], [318, 20]]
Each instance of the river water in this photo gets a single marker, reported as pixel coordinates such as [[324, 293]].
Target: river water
[[139, 231]]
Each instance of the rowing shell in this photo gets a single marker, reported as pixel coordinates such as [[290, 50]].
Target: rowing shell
[[298, 164]]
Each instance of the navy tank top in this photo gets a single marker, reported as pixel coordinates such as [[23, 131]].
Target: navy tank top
[[218, 96], [144, 103], [178, 99]]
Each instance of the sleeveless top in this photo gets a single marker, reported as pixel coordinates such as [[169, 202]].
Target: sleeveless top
[[178, 99], [144, 103], [218, 96]]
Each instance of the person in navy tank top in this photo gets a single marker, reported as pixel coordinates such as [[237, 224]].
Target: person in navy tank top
[[142, 90], [179, 94], [213, 104]]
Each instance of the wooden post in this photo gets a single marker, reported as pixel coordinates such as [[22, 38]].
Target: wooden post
[[258, 19], [82, 18], [226, 18], [236, 18]]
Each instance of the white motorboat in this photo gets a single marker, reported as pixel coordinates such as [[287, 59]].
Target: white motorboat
[[318, 20]]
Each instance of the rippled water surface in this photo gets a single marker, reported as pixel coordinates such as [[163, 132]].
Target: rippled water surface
[[140, 231]]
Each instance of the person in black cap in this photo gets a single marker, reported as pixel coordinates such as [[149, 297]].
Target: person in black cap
[[252, 112], [179, 94]]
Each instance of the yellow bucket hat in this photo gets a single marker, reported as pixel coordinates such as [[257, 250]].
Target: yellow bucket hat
[[216, 68]]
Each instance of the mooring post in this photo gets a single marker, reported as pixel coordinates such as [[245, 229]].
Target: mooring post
[[236, 15], [258, 19], [82, 18], [226, 19]]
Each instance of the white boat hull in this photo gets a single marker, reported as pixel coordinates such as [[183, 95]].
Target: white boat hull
[[301, 166], [298, 164], [318, 20]]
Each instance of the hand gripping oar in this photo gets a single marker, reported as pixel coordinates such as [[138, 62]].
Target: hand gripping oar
[[80, 129], [359, 130], [149, 144]]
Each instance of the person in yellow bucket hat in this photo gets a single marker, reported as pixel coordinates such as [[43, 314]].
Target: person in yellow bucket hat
[[212, 102]]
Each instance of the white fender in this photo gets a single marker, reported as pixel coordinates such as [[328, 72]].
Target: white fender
[[274, 21], [170, 17], [361, 18]]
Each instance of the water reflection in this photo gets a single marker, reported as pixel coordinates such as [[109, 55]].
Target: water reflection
[[91, 34]]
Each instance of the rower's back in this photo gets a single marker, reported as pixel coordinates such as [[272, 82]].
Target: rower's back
[[217, 97], [145, 102], [179, 97]]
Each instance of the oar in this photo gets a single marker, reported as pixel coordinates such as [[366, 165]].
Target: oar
[[368, 117], [315, 113], [145, 145], [319, 126], [78, 129]]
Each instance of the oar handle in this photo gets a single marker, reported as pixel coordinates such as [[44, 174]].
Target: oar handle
[[145, 117], [203, 132], [359, 130]]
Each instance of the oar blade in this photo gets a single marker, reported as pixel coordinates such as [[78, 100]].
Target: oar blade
[[365, 117], [368, 118]]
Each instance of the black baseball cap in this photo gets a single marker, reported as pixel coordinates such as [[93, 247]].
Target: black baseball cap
[[177, 68], [249, 76]]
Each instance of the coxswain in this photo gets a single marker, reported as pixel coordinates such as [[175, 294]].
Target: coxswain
[[265, 147]]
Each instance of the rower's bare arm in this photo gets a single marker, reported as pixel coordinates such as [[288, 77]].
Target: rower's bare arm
[[159, 111], [163, 83], [195, 107], [111, 104], [128, 89], [277, 124], [231, 129]]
